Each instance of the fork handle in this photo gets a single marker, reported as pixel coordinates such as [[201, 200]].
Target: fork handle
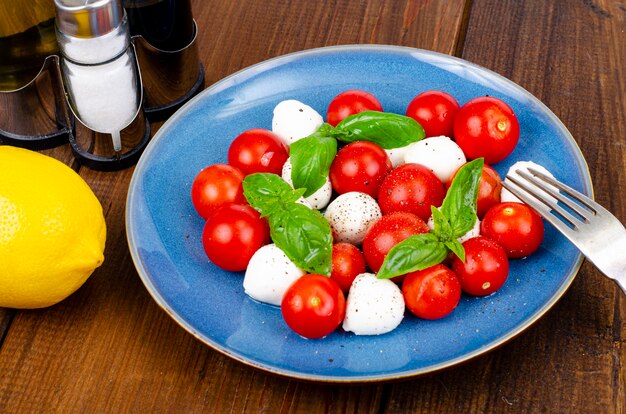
[[619, 276], [611, 261]]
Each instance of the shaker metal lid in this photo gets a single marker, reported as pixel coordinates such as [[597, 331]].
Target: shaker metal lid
[[88, 18]]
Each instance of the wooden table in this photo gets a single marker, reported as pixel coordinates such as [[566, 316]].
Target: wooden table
[[110, 348]]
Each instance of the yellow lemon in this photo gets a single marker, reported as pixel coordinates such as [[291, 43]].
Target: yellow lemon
[[52, 230]]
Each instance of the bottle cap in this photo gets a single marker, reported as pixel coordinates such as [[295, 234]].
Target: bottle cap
[[88, 18]]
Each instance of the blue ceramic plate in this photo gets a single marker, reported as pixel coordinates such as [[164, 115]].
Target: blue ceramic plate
[[164, 232]]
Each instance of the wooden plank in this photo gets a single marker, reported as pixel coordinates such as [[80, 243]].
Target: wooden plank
[[268, 29], [109, 348], [6, 317], [571, 55]]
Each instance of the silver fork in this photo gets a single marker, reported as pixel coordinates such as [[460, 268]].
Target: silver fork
[[598, 234]]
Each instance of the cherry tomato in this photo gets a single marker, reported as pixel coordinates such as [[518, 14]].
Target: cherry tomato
[[412, 188], [359, 166], [489, 190], [435, 112], [347, 263], [485, 269], [349, 103], [486, 127], [313, 306], [388, 231], [431, 293], [232, 234], [258, 150], [215, 186], [515, 227]]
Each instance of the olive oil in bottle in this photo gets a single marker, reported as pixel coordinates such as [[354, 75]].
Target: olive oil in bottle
[[27, 37], [165, 24]]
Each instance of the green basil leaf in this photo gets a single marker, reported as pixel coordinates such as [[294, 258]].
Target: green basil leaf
[[324, 130], [385, 129], [414, 253], [442, 228], [305, 237], [265, 191], [310, 161], [459, 206], [457, 248]]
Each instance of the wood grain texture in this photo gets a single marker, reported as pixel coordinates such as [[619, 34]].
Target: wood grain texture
[[6, 317], [128, 354], [110, 348], [572, 56], [266, 29]]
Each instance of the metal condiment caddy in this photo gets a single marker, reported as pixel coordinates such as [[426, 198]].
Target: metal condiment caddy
[[102, 89]]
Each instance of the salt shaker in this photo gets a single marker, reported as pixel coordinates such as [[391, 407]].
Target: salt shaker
[[98, 64]]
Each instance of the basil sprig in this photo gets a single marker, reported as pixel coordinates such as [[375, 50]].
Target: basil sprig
[[312, 156], [303, 234], [414, 253], [456, 217], [305, 237], [459, 206], [268, 192], [310, 160], [386, 129]]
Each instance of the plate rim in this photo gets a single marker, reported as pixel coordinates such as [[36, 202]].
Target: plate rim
[[293, 374]]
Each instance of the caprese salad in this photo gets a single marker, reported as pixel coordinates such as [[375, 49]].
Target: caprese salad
[[350, 221]]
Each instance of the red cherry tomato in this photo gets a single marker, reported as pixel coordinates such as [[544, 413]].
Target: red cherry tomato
[[388, 231], [515, 227], [215, 186], [349, 103], [359, 166], [486, 127], [232, 234], [485, 269], [431, 293], [258, 150], [313, 306], [435, 112], [412, 188], [489, 190], [347, 263]]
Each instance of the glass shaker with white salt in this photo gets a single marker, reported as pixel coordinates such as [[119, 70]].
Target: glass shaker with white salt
[[98, 64]]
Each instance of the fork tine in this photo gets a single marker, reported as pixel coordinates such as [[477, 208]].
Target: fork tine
[[551, 205], [601, 237], [585, 213], [592, 206], [515, 187], [597, 209]]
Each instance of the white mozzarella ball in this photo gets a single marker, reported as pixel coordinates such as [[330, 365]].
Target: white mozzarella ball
[[294, 120], [507, 196], [473, 232], [350, 215], [396, 155], [374, 306], [305, 203], [320, 198], [269, 274], [440, 154]]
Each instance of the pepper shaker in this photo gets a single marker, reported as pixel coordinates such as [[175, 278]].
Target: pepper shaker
[[165, 33]]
